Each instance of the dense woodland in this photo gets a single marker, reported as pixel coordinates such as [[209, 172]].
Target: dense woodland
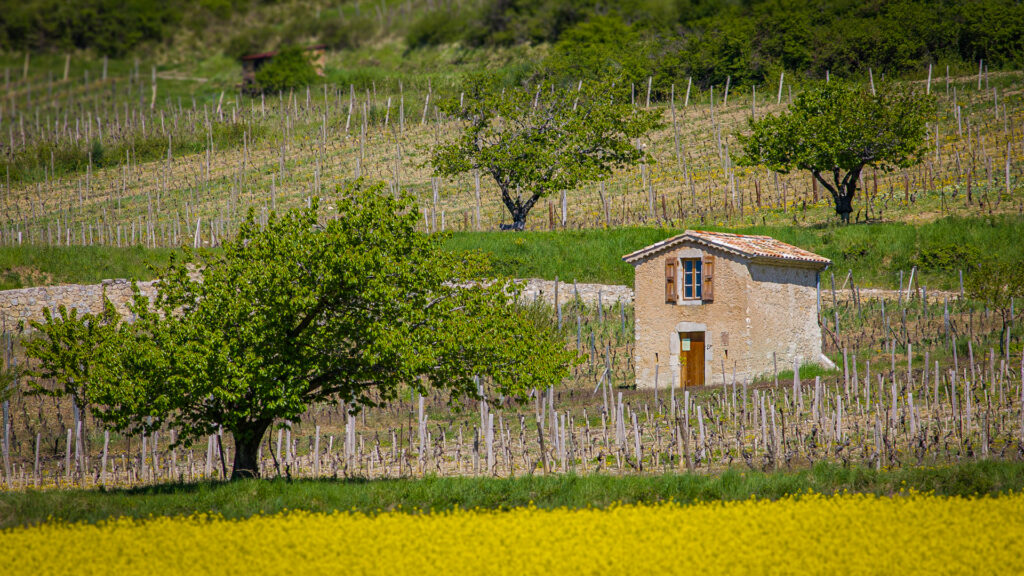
[[710, 40]]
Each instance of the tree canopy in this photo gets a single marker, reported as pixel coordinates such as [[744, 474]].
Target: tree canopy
[[601, 47], [539, 140], [355, 308], [67, 349], [834, 130], [289, 68], [708, 40]]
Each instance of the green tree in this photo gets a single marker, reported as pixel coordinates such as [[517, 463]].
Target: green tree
[[603, 46], [436, 27], [533, 142], [835, 130], [289, 68], [1000, 285], [67, 351], [353, 308]]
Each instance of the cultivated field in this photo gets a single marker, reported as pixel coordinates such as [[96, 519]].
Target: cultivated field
[[809, 534], [108, 160], [922, 380], [100, 161]]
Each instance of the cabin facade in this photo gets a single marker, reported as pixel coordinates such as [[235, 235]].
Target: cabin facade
[[710, 307]]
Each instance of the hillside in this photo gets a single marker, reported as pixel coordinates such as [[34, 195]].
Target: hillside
[[124, 170], [151, 143], [339, 285]]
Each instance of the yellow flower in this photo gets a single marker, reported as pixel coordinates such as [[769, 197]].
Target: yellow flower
[[808, 534]]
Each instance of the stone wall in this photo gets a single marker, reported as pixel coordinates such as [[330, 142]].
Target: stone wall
[[590, 294], [26, 304]]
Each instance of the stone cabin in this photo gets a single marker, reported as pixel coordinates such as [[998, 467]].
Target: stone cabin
[[711, 306]]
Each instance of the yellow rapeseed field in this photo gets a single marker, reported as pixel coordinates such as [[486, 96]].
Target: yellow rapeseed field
[[848, 534]]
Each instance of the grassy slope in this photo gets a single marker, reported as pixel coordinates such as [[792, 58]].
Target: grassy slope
[[875, 252], [242, 499], [38, 265]]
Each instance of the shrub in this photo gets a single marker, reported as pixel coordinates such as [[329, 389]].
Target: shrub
[[289, 68], [221, 9], [946, 256], [603, 46], [435, 28], [249, 42], [346, 33], [112, 27]]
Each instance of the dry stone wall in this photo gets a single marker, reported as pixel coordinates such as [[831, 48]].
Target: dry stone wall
[[590, 294], [27, 304]]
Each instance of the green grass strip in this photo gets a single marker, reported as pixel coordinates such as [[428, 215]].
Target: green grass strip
[[246, 498], [24, 266], [875, 252]]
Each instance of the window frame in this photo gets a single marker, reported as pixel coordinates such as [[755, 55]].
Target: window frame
[[694, 280]]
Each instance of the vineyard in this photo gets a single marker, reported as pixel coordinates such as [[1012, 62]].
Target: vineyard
[[105, 159], [924, 376], [923, 379]]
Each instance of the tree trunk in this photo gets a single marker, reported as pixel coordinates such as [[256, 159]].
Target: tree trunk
[[518, 209], [844, 206], [247, 447], [519, 218], [842, 189]]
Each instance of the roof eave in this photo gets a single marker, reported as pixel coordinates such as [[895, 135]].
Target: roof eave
[[638, 256], [794, 262]]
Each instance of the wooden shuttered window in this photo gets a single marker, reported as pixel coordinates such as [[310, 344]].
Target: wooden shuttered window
[[708, 291], [671, 290]]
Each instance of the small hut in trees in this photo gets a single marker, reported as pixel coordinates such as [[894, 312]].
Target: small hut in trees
[[711, 306], [251, 63]]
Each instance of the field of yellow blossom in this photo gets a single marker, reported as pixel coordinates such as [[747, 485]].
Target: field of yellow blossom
[[854, 534]]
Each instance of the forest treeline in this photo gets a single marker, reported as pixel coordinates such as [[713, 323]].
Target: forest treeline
[[710, 40], [750, 41]]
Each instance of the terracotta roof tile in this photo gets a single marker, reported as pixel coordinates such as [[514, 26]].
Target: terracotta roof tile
[[754, 247]]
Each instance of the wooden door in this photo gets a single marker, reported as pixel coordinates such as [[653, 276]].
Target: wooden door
[[691, 358]]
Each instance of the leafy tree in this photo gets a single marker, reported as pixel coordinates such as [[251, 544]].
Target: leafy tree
[[1000, 285], [603, 46], [533, 142], [835, 130], [353, 308], [67, 350], [289, 68], [250, 40], [436, 27]]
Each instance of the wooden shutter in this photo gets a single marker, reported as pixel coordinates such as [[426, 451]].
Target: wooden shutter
[[671, 291], [708, 278]]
